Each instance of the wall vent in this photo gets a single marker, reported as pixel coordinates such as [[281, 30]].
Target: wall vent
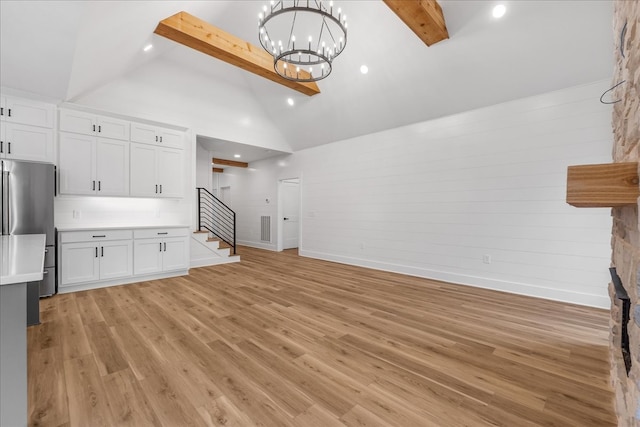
[[265, 229]]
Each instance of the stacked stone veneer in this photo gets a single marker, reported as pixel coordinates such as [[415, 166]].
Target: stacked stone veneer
[[626, 235]]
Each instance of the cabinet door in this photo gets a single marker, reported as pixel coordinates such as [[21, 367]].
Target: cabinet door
[[171, 138], [116, 259], [145, 134], [76, 164], [143, 170], [27, 112], [80, 263], [170, 172], [77, 122], [147, 256], [108, 127], [112, 167], [23, 142], [175, 251]]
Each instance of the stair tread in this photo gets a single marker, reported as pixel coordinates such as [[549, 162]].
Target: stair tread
[[199, 232]]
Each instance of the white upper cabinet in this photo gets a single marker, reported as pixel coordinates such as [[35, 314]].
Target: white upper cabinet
[[27, 112], [26, 130], [92, 124], [93, 166], [155, 135], [156, 171], [23, 142]]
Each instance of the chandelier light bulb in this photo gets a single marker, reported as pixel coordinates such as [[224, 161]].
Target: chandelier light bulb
[[264, 8]]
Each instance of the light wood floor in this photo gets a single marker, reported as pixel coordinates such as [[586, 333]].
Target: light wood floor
[[281, 340]]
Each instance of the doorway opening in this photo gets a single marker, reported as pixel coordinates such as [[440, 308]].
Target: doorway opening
[[288, 213]]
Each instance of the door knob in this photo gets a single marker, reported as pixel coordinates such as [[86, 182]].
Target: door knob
[[286, 219]]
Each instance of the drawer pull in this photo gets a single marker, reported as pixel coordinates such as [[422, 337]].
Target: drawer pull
[[159, 234], [102, 235]]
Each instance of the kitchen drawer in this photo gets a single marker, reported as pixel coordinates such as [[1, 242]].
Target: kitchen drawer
[[149, 233], [94, 235]]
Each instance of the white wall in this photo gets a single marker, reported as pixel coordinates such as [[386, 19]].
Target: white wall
[[204, 174], [431, 199]]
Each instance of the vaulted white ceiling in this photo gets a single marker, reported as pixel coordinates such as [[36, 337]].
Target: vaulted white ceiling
[[87, 51]]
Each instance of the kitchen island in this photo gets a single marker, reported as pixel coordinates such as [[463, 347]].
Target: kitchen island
[[21, 261]]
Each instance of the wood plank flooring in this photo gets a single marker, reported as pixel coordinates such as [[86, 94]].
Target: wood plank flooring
[[281, 340]]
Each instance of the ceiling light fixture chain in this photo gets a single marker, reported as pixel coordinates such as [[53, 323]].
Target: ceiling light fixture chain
[[325, 37]]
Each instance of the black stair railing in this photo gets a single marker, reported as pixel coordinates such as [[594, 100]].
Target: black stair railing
[[216, 218]]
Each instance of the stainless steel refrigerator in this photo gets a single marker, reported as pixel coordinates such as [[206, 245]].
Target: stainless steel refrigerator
[[27, 190]]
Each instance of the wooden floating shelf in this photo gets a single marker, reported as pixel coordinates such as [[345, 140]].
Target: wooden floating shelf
[[603, 186]]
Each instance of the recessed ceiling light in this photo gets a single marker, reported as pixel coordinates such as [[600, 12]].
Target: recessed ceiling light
[[237, 156], [499, 11], [364, 69], [290, 101], [148, 47]]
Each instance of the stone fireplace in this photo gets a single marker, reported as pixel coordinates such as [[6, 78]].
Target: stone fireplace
[[626, 230]]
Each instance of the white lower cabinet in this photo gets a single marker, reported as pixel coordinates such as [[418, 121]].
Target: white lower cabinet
[[159, 250], [95, 260], [106, 257]]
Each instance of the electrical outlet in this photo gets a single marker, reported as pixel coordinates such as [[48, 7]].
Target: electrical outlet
[[486, 258], [76, 214]]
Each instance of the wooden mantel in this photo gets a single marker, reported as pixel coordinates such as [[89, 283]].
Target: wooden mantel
[[604, 185]]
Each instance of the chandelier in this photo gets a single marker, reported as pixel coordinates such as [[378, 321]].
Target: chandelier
[[304, 37]]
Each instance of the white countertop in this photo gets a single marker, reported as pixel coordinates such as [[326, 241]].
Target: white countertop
[[21, 258], [88, 227]]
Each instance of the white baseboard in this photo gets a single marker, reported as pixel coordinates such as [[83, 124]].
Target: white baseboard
[[258, 245], [466, 280], [117, 282], [207, 262]]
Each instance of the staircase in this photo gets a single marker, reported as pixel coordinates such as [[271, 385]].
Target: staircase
[[215, 240]]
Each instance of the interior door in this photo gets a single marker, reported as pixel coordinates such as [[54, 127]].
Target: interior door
[[290, 213]]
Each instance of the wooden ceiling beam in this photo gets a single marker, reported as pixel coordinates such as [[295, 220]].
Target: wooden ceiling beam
[[197, 34], [229, 163], [217, 170], [423, 17]]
